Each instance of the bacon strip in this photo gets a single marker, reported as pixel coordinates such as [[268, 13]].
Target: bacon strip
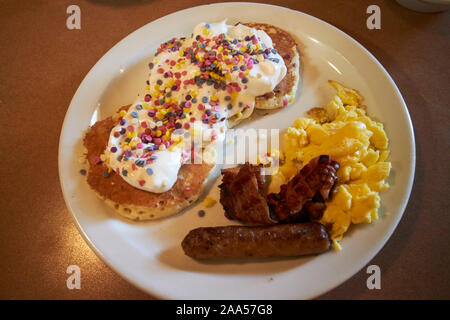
[[242, 193], [302, 198]]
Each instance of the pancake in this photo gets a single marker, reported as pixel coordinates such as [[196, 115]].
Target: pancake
[[286, 46], [137, 204], [128, 201]]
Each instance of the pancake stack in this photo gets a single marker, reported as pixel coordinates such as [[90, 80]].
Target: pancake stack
[[137, 204]]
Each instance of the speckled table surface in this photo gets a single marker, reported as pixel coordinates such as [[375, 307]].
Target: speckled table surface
[[42, 64]]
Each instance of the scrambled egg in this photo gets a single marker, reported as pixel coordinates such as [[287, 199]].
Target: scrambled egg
[[209, 202], [359, 144]]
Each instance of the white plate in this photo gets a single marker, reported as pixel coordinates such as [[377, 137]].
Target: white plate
[[149, 254]]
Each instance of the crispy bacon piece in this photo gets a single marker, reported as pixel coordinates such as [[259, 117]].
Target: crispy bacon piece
[[302, 198], [242, 195]]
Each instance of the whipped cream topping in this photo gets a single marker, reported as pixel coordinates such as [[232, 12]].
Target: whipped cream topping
[[195, 84]]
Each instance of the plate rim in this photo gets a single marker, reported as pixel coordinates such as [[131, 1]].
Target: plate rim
[[381, 242]]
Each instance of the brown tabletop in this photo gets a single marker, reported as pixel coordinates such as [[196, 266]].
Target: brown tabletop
[[42, 63]]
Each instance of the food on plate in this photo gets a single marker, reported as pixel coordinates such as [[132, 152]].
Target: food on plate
[[129, 201], [244, 197], [209, 202], [304, 196], [198, 86], [358, 143], [333, 168], [238, 242], [286, 46]]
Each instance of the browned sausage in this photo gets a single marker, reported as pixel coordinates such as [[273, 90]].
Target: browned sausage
[[236, 242]]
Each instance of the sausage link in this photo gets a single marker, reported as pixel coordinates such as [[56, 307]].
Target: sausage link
[[237, 242]]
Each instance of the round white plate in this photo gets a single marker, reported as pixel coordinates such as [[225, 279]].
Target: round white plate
[[149, 254]]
